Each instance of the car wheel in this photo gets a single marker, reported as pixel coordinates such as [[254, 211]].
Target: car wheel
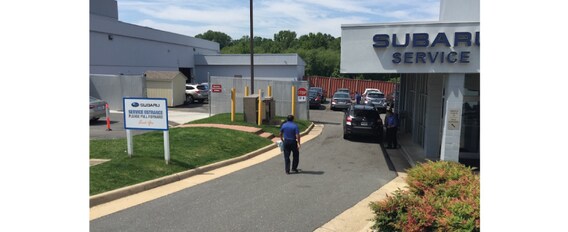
[[94, 119], [189, 99], [345, 136]]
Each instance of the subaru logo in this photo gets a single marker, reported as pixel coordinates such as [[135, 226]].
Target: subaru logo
[[135, 104]]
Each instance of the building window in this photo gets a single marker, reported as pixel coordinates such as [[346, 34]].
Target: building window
[[469, 141]]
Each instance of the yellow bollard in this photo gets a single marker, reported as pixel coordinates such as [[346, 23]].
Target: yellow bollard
[[246, 91], [259, 108], [270, 91], [233, 103], [294, 100]]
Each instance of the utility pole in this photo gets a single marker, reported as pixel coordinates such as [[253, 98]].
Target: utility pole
[[251, 52]]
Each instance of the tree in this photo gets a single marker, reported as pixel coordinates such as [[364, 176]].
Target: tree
[[216, 36], [321, 52], [285, 39]]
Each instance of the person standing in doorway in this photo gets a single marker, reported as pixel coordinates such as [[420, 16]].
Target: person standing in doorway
[[290, 136], [357, 97], [391, 123]]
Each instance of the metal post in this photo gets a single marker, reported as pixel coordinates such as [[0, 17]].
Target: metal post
[[259, 107], [167, 146], [251, 51], [233, 103], [269, 91], [294, 100], [209, 93], [246, 90], [129, 142]]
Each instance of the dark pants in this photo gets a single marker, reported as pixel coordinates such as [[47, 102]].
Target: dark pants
[[391, 137], [291, 145]]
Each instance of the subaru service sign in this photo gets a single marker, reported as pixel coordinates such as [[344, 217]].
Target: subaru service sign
[[145, 113]]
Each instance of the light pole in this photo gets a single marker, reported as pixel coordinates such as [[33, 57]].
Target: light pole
[[251, 52]]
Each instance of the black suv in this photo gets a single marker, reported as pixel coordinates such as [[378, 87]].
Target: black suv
[[364, 120]]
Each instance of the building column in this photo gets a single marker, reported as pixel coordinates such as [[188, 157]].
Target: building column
[[432, 135], [451, 132]]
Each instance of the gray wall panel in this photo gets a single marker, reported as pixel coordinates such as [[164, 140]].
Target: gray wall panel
[[112, 88]]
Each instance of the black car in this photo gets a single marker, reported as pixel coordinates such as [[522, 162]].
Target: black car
[[314, 98], [362, 120], [320, 93]]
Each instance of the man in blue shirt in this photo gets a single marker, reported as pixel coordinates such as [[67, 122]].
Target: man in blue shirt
[[290, 136], [392, 125], [357, 97]]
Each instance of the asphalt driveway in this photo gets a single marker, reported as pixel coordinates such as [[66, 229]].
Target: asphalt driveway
[[336, 175]]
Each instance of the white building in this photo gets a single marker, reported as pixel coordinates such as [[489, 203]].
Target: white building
[[122, 48], [266, 66], [438, 101]]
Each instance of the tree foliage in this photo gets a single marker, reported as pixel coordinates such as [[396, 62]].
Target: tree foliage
[[216, 36], [320, 51]]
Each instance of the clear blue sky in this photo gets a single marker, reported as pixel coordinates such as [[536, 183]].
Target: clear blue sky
[[192, 17]]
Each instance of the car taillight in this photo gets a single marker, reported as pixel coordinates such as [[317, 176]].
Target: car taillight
[[348, 120], [197, 91]]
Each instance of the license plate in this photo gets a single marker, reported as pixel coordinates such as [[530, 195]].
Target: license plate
[[364, 124]]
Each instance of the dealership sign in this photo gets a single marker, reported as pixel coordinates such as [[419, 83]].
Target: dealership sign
[[145, 113], [422, 40], [430, 47]]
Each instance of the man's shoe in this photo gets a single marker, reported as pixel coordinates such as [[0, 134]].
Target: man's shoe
[[287, 173], [296, 170]]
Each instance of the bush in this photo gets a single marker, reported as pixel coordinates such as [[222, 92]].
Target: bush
[[441, 196]]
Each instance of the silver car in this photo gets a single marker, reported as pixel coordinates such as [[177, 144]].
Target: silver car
[[340, 100], [378, 100], [97, 109], [197, 92]]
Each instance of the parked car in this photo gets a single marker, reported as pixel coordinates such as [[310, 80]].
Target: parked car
[[344, 90], [340, 100], [320, 92], [362, 120], [368, 90], [314, 98], [378, 100], [206, 85], [97, 108], [197, 92]]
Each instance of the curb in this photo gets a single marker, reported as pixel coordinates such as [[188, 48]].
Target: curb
[[147, 185]]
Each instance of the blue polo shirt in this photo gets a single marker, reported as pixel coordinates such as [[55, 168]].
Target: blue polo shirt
[[289, 130], [391, 120]]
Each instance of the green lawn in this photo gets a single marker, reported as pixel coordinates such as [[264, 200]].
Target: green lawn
[[189, 148]]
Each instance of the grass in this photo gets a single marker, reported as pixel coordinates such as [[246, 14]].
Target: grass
[[239, 120], [189, 148]]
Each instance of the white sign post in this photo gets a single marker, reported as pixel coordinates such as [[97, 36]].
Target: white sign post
[[146, 114]]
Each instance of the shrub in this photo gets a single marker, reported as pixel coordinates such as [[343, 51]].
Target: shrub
[[441, 196]]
